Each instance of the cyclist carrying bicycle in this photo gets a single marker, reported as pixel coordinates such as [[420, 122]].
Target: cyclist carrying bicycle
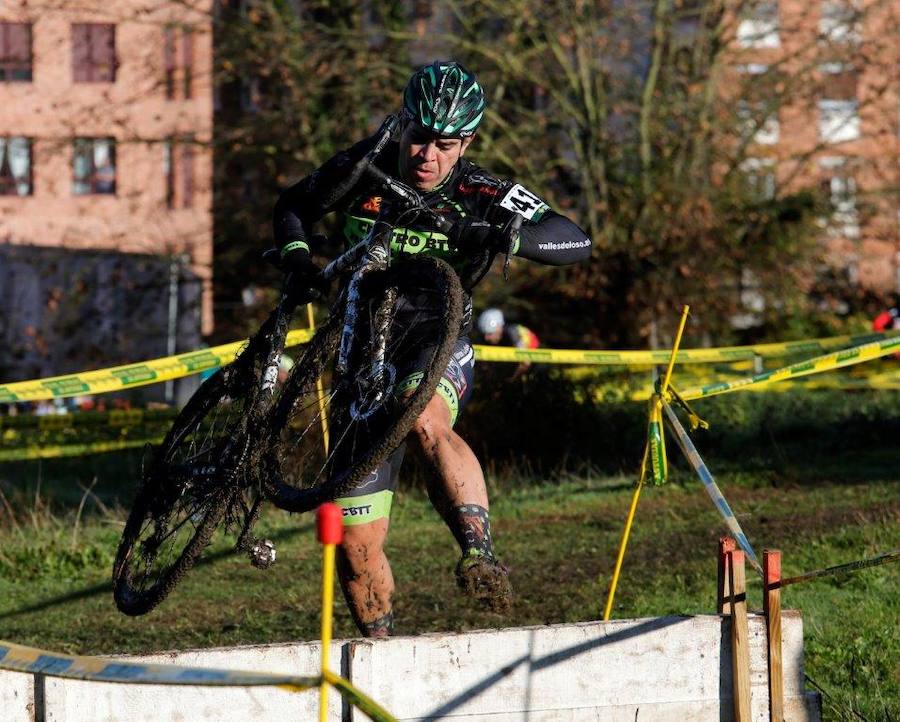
[[443, 105]]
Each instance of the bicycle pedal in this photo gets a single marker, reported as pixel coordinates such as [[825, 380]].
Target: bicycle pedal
[[262, 553]]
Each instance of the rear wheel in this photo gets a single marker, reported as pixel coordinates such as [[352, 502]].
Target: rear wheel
[[329, 432], [190, 481]]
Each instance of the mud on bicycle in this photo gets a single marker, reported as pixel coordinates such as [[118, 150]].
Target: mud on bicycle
[[243, 438]]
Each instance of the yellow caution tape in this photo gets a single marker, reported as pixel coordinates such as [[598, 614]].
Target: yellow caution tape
[[839, 359], [357, 698], [55, 451], [118, 418], [656, 442], [662, 356], [19, 658], [643, 391], [119, 378], [130, 376], [97, 669]]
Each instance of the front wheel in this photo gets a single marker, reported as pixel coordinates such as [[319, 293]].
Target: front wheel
[[329, 431]]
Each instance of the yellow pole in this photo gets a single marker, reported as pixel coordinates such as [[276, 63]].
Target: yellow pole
[[320, 390], [668, 376], [607, 610], [327, 603]]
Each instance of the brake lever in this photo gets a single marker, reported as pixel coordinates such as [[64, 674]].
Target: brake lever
[[512, 231], [385, 132]]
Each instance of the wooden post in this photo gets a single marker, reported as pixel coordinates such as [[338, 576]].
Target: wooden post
[[772, 608], [740, 633], [723, 589]]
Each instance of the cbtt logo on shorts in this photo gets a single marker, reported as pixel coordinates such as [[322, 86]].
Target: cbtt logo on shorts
[[361, 510]]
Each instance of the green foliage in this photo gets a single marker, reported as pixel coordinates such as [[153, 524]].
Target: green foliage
[[294, 89], [54, 557], [617, 113]]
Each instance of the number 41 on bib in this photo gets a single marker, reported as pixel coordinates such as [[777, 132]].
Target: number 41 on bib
[[522, 201]]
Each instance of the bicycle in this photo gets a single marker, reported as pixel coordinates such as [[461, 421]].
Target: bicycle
[[241, 439]]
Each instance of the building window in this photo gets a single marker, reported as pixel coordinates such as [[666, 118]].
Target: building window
[[15, 52], [94, 166], [759, 121], [170, 61], [93, 53], [169, 171], [759, 175], [15, 166], [178, 165], [838, 22], [187, 61], [839, 81], [760, 28], [838, 120], [187, 172], [753, 69], [839, 187]]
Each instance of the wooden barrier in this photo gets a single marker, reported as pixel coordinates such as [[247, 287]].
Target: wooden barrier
[[772, 610], [723, 594], [740, 636]]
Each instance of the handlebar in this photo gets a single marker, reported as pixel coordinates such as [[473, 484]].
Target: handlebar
[[408, 196]]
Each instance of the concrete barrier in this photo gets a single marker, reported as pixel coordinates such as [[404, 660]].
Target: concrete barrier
[[662, 669]]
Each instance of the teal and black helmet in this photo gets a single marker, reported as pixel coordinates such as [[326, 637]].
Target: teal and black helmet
[[445, 98]]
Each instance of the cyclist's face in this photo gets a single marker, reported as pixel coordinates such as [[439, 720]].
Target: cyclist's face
[[427, 159]]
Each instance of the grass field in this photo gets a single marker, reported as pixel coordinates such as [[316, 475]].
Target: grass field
[[558, 536]]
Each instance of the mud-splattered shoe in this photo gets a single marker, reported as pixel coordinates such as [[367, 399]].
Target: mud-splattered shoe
[[486, 580]]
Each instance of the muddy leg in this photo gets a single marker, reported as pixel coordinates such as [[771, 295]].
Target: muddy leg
[[366, 578], [458, 492]]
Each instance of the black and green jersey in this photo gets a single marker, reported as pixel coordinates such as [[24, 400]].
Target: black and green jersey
[[546, 236]]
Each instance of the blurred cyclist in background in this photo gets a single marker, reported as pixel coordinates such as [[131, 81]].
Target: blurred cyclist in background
[[495, 331]]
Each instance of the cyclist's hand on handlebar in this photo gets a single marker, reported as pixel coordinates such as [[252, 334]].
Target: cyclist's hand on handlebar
[[305, 275]]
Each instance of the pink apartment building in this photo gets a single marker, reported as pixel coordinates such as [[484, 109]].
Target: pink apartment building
[[105, 129], [839, 131]]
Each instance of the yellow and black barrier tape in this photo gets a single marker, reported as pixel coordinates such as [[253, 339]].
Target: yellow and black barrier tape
[[362, 702], [855, 566], [828, 362], [18, 658], [644, 390], [120, 378], [57, 451], [117, 418], [658, 357]]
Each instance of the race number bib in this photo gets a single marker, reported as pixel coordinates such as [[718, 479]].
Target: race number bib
[[522, 201]]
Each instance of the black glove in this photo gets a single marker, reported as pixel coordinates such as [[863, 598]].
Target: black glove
[[472, 235], [295, 257], [305, 275]]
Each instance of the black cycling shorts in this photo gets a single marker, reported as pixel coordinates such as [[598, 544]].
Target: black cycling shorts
[[371, 500]]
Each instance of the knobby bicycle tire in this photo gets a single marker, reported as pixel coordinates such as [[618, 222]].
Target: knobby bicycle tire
[[168, 488], [411, 275]]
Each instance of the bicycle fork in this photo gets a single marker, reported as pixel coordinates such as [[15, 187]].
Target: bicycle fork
[[378, 379]]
